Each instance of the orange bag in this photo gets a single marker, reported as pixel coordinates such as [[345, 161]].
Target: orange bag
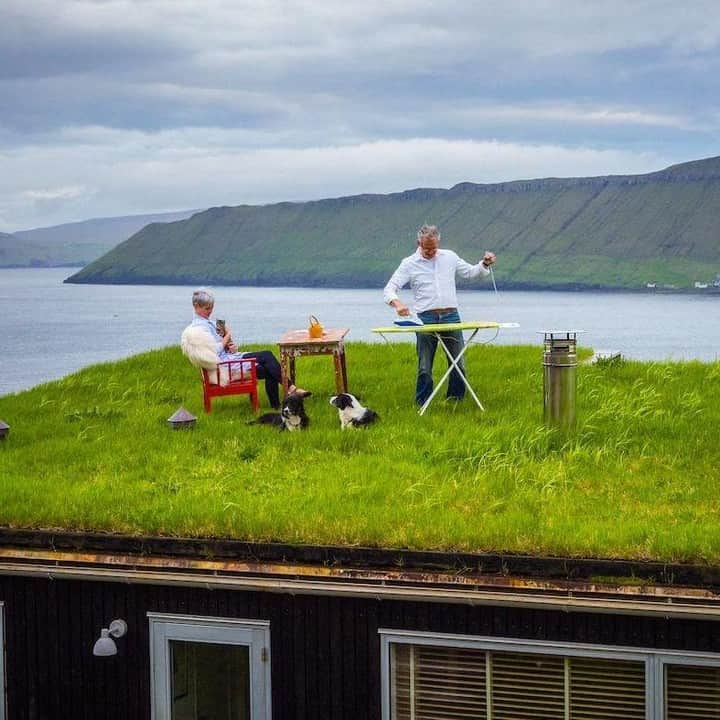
[[316, 329]]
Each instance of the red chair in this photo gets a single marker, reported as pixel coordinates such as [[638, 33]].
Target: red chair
[[240, 379]]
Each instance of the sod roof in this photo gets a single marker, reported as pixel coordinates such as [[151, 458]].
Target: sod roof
[[637, 479]]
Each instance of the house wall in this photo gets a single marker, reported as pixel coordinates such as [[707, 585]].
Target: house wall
[[325, 650]]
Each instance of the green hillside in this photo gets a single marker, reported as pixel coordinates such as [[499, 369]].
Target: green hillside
[[613, 232], [75, 243]]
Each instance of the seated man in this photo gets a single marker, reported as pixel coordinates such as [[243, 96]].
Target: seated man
[[268, 368]]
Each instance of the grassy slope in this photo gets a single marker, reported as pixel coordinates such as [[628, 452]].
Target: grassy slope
[[599, 232], [73, 243], [637, 480]]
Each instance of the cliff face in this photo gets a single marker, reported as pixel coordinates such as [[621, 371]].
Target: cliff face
[[615, 231]]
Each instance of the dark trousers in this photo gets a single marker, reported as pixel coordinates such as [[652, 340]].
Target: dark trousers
[[268, 369], [427, 345]]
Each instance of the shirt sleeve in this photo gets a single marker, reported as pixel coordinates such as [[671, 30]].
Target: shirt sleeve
[[399, 278], [466, 270]]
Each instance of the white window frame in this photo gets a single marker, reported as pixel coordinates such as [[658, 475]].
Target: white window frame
[[655, 660], [254, 634], [661, 659]]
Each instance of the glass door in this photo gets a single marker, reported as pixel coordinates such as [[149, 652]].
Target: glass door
[[209, 668], [209, 681]]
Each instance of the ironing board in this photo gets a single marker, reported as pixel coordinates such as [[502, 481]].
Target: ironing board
[[474, 326]]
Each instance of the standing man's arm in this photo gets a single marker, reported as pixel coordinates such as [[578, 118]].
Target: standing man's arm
[[399, 278], [467, 271]]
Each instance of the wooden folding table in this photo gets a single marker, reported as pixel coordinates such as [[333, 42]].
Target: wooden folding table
[[298, 343]]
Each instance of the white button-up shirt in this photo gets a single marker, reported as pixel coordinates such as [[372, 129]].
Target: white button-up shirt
[[209, 325], [432, 281]]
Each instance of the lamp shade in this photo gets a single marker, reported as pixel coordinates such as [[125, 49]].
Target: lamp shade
[[182, 419], [104, 645]]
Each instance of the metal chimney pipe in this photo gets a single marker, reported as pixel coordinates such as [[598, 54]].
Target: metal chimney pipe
[[560, 378]]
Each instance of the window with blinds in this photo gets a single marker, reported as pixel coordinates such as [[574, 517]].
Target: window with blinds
[[692, 692], [435, 682], [442, 683]]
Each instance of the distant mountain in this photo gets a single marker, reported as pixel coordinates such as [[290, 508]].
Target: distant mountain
[[18, 253], [596, 232], [8, 254], [75, 243]]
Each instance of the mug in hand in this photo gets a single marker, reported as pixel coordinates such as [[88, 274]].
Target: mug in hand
[[221, 329]]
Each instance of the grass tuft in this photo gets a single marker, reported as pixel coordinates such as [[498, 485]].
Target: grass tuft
[[636, 480]]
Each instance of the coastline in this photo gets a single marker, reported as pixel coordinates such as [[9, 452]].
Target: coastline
[[369, 285], [710, 291], [643, 325]]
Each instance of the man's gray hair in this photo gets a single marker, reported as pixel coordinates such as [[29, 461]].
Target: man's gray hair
[[203, 298], [428, 231]]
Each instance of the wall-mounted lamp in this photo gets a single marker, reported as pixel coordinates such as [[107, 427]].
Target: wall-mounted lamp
[[105, 645]]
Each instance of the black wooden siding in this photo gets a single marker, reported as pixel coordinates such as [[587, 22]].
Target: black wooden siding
[[325, 650]]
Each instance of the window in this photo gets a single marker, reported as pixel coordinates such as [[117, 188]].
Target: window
[[692, 692], [428, 676], [209, 668]]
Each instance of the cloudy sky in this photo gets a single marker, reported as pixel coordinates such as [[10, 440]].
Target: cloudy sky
[[118, 107]]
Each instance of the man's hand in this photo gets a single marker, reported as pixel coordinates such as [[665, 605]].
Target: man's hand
[[400, 309], [488, 259]]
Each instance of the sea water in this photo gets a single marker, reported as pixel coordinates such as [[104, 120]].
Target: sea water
[[49, 329]]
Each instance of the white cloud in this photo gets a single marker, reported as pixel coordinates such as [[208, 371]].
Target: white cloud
[[566, 113], [542, 26], [119, 172], [119, 106], [262, 38], [70, 192]]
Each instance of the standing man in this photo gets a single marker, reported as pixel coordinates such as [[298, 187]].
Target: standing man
[[431, 273]]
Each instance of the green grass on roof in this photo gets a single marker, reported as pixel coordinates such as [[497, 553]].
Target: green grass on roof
[[639, 478]]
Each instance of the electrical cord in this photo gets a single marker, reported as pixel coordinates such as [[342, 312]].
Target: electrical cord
[[492, 277], [489, 340]]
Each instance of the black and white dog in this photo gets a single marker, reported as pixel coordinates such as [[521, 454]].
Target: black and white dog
[[292, 415], [351, 412]]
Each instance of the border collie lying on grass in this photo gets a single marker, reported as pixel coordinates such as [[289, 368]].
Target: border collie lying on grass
[[351, 412], [292, 414]]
